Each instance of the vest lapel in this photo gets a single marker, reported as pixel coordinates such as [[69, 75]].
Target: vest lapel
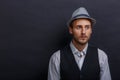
[[67, 58]]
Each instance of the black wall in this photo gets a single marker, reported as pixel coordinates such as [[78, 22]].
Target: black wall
[[31, 30]]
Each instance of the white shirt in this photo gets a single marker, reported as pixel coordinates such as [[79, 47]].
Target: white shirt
[[54, 63]]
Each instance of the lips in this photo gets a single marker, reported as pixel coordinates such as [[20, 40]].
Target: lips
[[83, 36]]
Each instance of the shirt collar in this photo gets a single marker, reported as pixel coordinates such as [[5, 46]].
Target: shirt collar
[[75, 50]]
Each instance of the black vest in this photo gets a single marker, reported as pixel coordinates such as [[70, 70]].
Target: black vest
[[69, 69]]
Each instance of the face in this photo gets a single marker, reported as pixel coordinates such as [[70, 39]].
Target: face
[[81, 30]]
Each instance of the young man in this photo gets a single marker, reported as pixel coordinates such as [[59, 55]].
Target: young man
[[79, 60]]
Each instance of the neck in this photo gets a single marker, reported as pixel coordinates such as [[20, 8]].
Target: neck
[[79, 46]]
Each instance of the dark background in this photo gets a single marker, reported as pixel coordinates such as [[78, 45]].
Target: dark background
[[31, 30]]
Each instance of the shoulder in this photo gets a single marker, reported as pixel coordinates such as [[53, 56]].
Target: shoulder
[[55, 56], [102, 57], [102, 54]]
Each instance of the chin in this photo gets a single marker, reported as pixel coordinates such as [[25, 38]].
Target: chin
[[83, 42]]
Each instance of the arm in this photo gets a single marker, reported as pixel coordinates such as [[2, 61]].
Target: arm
[[104, 66], [54, 67]]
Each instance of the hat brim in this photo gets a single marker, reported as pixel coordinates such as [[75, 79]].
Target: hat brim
[[81, 17]]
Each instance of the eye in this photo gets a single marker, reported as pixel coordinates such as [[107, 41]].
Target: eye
[[79, 27], [87, 26]]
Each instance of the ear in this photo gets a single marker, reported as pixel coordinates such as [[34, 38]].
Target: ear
[[91, 31], [70, 30]]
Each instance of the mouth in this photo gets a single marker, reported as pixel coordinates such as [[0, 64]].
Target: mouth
[[83, 37]]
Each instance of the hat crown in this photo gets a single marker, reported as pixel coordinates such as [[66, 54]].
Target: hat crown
[[79, 14], [80, 11]]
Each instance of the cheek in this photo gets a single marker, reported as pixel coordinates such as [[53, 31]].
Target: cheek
[[76, 33], [89, 33]]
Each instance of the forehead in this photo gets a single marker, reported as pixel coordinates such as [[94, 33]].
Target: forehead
[[82, 21]]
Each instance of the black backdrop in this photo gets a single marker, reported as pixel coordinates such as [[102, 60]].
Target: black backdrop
[[31, 30]]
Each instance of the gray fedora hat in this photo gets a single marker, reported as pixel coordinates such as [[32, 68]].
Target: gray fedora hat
[[81, 13]]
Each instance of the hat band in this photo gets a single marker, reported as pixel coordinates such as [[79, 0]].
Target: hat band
[[81, 15]]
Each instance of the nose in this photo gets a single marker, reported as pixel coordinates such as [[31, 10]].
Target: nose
[[83, 30]]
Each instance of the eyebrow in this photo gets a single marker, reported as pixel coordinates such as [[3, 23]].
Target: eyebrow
[[85, 25]]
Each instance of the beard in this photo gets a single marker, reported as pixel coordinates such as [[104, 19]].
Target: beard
[[82, 41]]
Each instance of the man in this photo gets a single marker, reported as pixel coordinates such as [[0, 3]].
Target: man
[[79, 60]]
